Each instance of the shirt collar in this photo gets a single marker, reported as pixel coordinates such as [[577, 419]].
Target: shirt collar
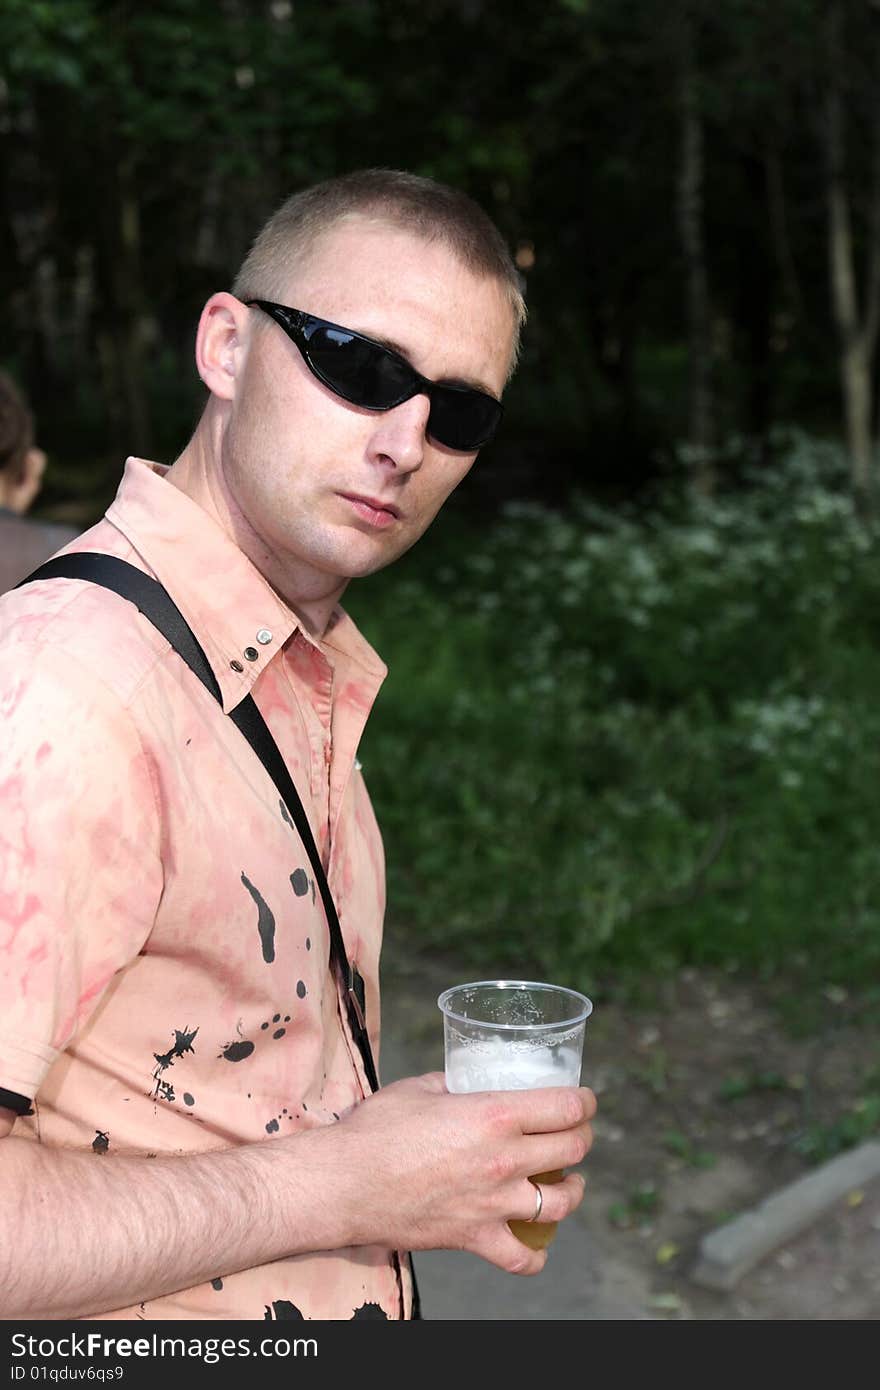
[[239, 619]]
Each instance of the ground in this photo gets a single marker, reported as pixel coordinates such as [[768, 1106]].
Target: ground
[[704, 1098]]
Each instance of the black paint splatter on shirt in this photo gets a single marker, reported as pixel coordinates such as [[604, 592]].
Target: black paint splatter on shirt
[[369, 1310], [265, 921], [285, 814], [188, 1099], [272, 1127], [279, 1032], [299, 882], [101, 1141], [236, 1051], [217, 1284], [183, 1043], [282, 1311], [301, 989]]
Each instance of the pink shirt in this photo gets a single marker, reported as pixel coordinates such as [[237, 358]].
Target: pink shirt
[[165, 983]]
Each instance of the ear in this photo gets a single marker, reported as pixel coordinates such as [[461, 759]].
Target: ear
[[21, 494], [221, 341]]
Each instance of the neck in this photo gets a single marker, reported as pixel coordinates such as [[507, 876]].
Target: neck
[[10, 501], [311, 595]]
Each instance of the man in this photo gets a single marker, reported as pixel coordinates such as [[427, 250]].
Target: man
[[203, 1142], [24, 544]]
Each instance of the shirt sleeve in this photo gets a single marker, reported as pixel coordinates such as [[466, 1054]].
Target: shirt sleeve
[[80, 867]]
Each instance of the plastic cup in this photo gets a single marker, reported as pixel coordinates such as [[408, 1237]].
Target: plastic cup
[[514, 1035]]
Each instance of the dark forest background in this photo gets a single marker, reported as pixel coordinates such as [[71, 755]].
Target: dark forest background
[[692, 192]]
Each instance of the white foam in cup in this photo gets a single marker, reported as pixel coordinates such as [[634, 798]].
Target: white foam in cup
[[502, 1035]]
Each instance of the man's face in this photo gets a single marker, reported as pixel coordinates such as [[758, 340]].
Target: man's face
[[329, 489]]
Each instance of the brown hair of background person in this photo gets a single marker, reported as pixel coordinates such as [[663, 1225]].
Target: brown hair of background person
[[24, 544]]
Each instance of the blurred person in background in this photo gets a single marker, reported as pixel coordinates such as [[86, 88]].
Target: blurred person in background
[[24, 542]]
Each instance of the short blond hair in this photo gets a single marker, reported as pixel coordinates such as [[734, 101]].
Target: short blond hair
[[431, 210]]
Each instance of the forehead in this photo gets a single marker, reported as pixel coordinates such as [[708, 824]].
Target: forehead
[[386, 282]]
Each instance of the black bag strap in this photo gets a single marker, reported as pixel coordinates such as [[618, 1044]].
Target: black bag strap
[[155, 603]]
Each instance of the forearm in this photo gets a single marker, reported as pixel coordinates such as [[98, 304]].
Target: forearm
[[411, 1168], [81, 1234]]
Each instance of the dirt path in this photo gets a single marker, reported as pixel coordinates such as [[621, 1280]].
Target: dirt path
[[703, 1100]]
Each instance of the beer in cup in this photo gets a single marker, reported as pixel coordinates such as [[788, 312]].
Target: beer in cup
[[503, 1035]]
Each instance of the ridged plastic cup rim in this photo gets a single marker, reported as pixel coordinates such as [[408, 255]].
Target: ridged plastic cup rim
[[580, 1017]]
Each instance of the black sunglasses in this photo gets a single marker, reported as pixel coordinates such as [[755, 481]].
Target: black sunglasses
[[367, 374]]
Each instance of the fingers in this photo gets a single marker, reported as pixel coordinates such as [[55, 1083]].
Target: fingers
[[545, 1153], [557, 1107], [502, 1248], [550, 1109], [558, 1199], [588, 1100]]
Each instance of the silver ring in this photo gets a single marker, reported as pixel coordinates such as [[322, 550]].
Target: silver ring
[[539, 1202]]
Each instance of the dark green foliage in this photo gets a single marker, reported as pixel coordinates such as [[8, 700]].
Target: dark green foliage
[[611, 744]]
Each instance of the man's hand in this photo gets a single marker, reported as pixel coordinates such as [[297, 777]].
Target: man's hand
[[441, 1171]]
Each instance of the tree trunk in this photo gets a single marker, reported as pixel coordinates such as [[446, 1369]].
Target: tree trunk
[[124, 327], [778, 218], [690, 221], [755, 312], [858, 399], [856, 334], [132, 326]]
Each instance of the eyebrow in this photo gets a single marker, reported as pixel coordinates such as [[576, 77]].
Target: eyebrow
[[472, 382]]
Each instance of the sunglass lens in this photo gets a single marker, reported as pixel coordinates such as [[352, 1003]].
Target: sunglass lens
[[368, 375], [362, 372], [463, 420]]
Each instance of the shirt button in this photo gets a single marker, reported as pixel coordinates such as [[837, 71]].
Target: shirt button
[[264, 636], [251, 653]]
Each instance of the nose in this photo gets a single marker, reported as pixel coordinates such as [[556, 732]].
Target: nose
[[399, 434]]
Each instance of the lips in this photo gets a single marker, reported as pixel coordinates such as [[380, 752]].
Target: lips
[[375, 503]]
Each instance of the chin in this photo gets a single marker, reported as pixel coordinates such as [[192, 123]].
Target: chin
[[358, 562], [368, 567]]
